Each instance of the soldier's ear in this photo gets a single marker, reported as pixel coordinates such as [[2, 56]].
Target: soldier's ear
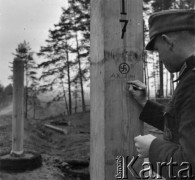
[[167, 40]]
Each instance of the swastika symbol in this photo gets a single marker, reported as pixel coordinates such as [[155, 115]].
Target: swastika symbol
[[124, 68]]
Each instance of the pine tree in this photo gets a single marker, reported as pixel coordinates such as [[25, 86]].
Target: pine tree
[[64, 29], [159, 5], [68, 48], [80, 24], [57, 54]]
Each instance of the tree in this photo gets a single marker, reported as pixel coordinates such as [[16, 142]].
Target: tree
[[58, 63], [184, 4], [67, 51], [9, 90], [5, 95], [159, 5], [80, 23], [64, 32]]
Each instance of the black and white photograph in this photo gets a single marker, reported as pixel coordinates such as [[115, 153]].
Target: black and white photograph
[[97, 89]]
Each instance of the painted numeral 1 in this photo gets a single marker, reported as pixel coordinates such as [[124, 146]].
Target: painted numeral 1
[[123, 7]]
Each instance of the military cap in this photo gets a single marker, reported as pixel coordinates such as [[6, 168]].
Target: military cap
[[170, 21]]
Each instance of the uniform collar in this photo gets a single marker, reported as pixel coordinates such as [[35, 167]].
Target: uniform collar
[[188, 64]]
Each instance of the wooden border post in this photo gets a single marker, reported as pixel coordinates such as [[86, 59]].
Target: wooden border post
[[116, 57], [18, 107]]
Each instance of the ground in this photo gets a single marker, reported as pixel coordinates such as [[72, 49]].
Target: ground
[[55, 148]]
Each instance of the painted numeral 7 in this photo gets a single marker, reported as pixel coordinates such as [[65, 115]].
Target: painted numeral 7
[[124, 27]]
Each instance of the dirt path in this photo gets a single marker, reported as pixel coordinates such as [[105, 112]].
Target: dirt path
[[7, 110], [48, 171], [53, 147]]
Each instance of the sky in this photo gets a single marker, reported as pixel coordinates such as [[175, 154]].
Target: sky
[[27, 20]]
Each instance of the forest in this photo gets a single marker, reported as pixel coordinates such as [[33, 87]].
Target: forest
[[64, 69], [57, 118]]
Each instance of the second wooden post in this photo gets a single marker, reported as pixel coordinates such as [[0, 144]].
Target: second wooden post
[[18, 107]]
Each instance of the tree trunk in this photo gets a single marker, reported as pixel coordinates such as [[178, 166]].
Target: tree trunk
[[34, 106], [75, 108], [154, 75], [69, 83], [161, 92], [80, 75], [171, 84], [80, 72], [65, 100], [148, 80], [147, 75], [146, 65], [167, 80]]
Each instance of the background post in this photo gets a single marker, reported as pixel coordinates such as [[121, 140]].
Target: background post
[[116, 57], [18, 107], [19, 160]]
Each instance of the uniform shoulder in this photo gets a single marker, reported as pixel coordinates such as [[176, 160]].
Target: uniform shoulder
[[185, 92], [189, 77]]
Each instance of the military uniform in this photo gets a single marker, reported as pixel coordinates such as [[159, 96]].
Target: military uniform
[[177, 120]]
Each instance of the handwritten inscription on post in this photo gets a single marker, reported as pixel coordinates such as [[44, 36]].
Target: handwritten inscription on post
[[131, 57], [122, 76], [124, 70]]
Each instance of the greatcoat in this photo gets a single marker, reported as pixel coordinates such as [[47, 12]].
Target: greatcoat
[[177, 120]]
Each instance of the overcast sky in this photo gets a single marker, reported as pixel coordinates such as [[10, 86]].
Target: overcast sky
[[27, 20]]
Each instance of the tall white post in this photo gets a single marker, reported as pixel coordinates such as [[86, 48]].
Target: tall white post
[[18, 108]]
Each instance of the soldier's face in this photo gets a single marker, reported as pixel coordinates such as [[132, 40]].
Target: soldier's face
[[166, 55]]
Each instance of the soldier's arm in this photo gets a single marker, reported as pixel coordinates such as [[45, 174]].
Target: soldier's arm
[[163, 151], [152, 114]]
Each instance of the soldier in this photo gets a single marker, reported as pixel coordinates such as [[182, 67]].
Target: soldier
[[172, 35]]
